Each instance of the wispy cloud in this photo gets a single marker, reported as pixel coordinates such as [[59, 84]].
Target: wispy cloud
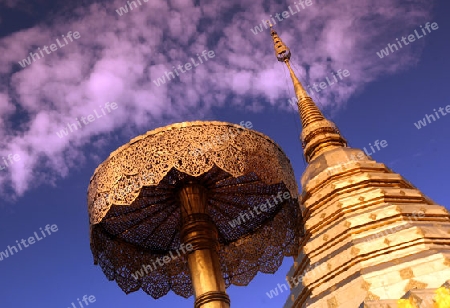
[[117, 57]]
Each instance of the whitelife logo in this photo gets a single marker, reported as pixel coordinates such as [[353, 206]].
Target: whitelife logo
[[165, 259], [85, 300], [292, 282], [90, 118], [264, 207], [31, 240], [53, 47], [222, 139], [16, 157], [423, 123], [322, 85], [411, 38], [285, 14], [123, 9], [187, 66]]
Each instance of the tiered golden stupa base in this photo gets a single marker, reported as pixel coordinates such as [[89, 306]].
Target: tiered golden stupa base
[[417, 298], [370, 235]]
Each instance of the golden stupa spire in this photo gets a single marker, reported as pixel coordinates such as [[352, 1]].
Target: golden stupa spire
[[318, 134]]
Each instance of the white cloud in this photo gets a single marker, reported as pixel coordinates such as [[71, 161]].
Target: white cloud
[[118, 57]]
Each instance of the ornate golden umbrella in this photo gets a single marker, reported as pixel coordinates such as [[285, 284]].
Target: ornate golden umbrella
[[184, 185]]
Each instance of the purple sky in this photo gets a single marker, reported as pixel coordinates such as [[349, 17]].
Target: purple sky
[[118, 58]]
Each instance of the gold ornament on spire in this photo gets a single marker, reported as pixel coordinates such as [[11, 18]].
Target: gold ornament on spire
[[318, 134]]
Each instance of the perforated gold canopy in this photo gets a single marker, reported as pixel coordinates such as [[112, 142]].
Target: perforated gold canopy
[[135, 214]]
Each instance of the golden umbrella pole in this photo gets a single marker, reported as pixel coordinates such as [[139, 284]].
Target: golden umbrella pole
[[199, 230]]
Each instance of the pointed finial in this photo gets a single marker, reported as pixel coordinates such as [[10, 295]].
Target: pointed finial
[[281, 50], [318, 134]]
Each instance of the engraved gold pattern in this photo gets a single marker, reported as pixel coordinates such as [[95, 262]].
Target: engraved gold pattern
[[135, 215]]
